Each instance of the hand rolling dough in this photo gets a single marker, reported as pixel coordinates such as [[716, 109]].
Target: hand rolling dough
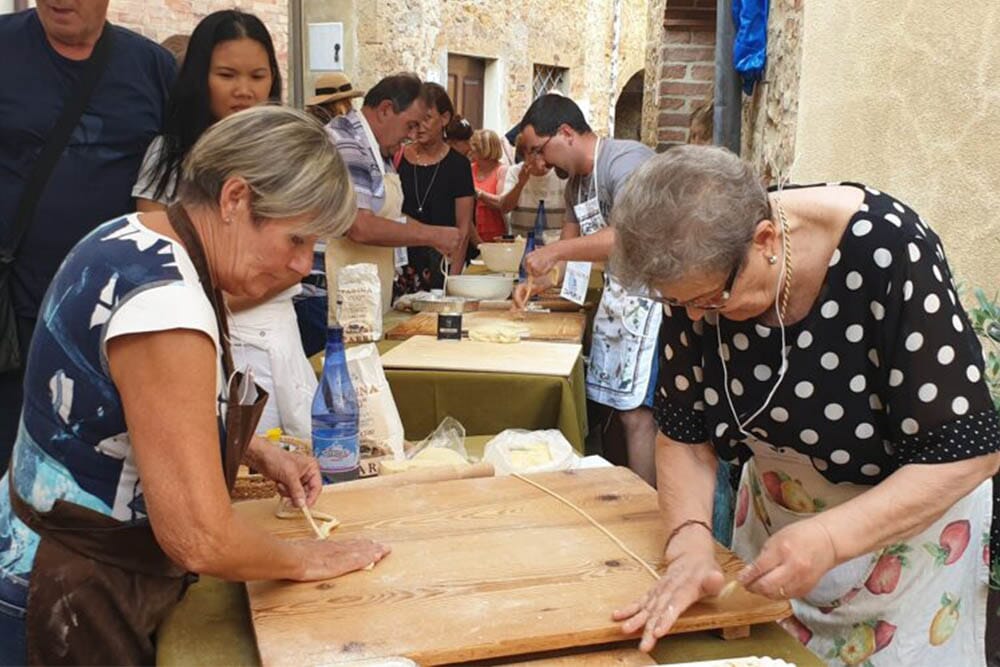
[[286, 511]]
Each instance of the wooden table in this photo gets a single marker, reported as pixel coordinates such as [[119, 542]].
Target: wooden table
[[558, 327], [212, 626]]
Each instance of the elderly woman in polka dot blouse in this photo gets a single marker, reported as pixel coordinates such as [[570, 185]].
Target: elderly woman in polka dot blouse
[[815, 334]]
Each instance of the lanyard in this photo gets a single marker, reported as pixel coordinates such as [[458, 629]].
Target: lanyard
[[593, 179]]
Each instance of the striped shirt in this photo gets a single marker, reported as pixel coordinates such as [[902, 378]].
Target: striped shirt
[[349, 135]]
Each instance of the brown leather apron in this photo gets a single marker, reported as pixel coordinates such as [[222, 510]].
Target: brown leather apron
[[100, 587]]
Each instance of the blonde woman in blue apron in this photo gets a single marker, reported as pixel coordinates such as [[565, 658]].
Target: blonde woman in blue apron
[[621, 368], [815, 334]]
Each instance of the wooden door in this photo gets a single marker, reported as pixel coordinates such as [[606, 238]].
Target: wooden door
[[465, 87]]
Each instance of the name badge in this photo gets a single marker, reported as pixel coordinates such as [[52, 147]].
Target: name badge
[[400, 257], [575, 282], [588, 214]]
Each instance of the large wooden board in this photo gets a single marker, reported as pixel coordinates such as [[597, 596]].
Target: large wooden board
[[551, 327], [480, 568], [526, 357]]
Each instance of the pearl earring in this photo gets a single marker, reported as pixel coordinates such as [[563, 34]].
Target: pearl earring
[[773, 259]]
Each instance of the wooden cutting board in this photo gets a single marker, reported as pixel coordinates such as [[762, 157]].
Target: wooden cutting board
[[552, 327], [524, 358], [480, 568], [554, 304]]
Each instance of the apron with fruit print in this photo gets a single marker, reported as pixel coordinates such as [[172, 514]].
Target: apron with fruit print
[[918, 602]]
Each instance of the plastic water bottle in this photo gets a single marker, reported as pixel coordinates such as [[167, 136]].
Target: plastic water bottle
[[541, 223], [528, 247], [335, 440]]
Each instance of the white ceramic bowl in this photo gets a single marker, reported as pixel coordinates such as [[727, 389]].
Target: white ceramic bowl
[[480, 287], [503, 257]]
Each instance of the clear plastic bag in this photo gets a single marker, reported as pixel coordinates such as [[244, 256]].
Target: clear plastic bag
[[450, 434], [526, 452]]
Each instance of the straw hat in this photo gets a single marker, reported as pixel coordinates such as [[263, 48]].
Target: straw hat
[[332, 87]]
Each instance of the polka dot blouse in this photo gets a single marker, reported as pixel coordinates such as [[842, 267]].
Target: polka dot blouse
[[883, 371]]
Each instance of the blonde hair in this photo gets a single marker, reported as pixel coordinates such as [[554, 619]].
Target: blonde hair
[[288, 161], [487, 144]]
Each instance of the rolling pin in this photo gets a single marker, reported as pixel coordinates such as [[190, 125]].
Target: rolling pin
[[424, 476]]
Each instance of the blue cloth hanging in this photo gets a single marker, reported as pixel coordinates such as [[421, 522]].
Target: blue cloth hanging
[[750, 43]]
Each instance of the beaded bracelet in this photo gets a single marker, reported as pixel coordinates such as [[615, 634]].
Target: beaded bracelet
[[685, 524]]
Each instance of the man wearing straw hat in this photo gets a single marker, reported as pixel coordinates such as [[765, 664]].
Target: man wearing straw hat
[[334, 93]]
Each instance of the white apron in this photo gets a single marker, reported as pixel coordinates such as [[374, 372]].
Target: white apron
[[266, 338], [626, 328], [919, 602], [343, 251]]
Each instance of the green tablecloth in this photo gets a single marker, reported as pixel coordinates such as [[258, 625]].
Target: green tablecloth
[[211, 626], [487, 403]]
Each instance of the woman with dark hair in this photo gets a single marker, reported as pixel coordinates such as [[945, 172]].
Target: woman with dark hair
[[459, 133], [437, 190], [230, 66]]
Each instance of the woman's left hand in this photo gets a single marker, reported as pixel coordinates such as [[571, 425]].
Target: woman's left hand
[[791, 562], [297, 476]]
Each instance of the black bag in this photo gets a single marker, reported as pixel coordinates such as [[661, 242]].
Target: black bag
[[10, 347]]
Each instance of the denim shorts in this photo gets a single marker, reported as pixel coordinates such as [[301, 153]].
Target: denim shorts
[[13, 635]]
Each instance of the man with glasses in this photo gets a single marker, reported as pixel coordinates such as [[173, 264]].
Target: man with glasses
[[622, 364]]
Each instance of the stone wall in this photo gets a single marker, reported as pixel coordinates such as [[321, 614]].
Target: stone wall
[[683, 57], [905, 97], [770, 115], [386, 36], [163, 18]]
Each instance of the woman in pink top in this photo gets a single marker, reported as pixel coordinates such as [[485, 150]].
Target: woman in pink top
[[487, 175]]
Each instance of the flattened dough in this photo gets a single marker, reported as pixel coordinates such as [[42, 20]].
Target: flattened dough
[[498, 333]]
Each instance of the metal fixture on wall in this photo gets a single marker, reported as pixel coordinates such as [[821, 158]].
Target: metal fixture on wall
[[296, 79], [727, 116]]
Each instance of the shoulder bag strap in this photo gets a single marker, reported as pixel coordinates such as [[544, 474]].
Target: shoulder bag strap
[[56, 144]]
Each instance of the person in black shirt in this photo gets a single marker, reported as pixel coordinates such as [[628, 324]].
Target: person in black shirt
[[92, 180], [437, 190]]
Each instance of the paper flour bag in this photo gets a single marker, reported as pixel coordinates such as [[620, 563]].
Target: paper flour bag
[[380, 429], [359, 298]]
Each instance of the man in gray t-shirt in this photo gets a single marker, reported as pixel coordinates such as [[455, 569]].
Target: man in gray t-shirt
[[617, 160], [555, 132]]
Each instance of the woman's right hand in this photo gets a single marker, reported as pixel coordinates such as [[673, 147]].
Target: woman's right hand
[[692, 574], [324, 559]]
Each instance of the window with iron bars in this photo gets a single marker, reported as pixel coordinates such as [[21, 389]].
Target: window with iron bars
[[547, 78]]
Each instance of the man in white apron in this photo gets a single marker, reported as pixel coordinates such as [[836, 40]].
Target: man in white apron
[[367, 139], [622, 366]]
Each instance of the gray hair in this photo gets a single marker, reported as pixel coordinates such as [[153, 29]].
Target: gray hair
[[288, 161], [691, 210]]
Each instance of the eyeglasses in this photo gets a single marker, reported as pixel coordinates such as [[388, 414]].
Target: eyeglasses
[[709, 303], [537, 150]]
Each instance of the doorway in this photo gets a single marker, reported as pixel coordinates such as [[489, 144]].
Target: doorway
[[466, 76]]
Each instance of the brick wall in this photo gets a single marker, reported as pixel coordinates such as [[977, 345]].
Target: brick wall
[[163, 18], [687, 69]]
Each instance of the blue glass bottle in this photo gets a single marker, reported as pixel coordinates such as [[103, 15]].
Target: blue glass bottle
[[335, 415], [528, 247], [541, 223]]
